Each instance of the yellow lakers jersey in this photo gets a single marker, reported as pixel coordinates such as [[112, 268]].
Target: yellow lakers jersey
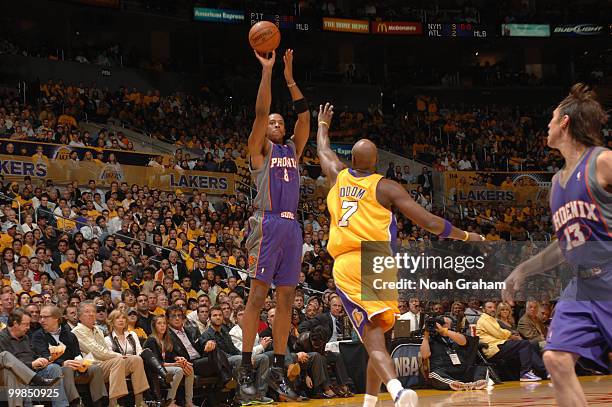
[[356, 215]]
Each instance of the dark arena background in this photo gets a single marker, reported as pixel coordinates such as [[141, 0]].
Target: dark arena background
[[127, 201]]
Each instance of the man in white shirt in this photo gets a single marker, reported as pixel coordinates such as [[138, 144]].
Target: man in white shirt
[[307, 246], [260, 344], [115, 223], [414, 314], [114, 365], [91, 230], [58, 211]]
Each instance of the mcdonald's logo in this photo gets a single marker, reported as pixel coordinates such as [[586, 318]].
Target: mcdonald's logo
[[397, 27]]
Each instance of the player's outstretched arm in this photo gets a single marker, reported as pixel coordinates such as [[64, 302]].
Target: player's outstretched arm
[[390, 193], [546, 260], [258, 144], [330, 164], [301, 131]]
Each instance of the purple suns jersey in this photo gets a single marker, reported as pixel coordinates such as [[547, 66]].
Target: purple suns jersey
[[278, 181], [582, 214]]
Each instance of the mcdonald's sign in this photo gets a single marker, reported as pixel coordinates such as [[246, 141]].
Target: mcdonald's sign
[[397, 28]]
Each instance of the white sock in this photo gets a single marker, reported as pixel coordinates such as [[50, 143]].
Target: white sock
[[369, 400], [394, 386]]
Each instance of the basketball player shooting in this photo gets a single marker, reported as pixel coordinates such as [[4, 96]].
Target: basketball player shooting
[[365, 214], [275, 238], [581, 207]]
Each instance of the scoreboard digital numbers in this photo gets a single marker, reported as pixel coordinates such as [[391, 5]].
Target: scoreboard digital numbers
[[282, 22], [455, 30]]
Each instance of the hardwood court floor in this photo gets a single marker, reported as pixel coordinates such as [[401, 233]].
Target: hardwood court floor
[[598, 390]]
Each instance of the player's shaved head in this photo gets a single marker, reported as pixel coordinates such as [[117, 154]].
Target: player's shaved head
[[365, 155]]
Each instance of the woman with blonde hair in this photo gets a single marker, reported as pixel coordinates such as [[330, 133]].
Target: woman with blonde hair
[[126, 342], [504, 317], [160, 344]]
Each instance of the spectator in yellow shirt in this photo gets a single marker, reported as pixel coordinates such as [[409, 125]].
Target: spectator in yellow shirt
[[70, 261], [493, 235], [212, 258]]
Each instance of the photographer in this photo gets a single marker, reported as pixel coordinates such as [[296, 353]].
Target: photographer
[[451, 356]]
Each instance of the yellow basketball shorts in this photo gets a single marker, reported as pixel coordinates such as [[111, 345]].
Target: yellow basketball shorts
[[361, 300]]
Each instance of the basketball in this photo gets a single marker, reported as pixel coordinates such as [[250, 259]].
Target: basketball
[[264, 37]]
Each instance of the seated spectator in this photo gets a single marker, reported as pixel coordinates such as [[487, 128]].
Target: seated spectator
[[207, 360], [473, 312], [201, 317], [504, 345], [451, 359], [544, 317], [160, 344], [414, 314], [505, 318], [114, 365], [333, 320], [14, 374], [7, 304], [13, 339], [316, 340], [458, 314], [122, 341], [144, 316], [218, 334], [54, 334], [132, 322], [530, 327], [260, 346]]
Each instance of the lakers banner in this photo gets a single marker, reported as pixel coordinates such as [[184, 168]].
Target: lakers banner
[[397, 28], [64, 171], [510, 187]]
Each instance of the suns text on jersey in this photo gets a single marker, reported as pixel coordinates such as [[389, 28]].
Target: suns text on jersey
[[573, 210], [283, 162]]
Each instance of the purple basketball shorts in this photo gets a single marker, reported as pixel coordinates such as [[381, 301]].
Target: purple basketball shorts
[[275, 249]]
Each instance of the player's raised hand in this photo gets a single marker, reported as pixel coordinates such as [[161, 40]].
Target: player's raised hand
[[288, 60], [326, 113], [513, 284], [266, 63]]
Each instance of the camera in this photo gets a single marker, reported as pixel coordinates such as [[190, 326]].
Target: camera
[[430, 323]]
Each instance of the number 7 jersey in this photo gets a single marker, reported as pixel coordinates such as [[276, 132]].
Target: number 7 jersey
[[356, 215], [582, 214]]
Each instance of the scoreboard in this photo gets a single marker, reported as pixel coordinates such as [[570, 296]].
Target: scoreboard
[[455, 30], [282, 22]]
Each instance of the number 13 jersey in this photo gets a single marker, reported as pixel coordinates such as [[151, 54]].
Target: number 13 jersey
[[582, 214], [356, 215]]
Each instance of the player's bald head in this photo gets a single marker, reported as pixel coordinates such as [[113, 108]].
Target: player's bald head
[[365, 155]]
